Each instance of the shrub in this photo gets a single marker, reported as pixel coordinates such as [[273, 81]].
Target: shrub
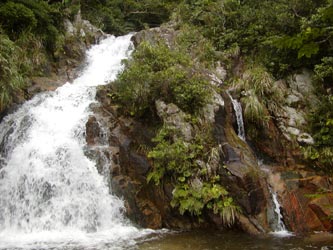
[[258, 80], [324, 71], [156, 72], [45, 21], [191, 40], [213, 196], [261, 94], [16, 18], [194, 190], [254, 110], [33, 58], [321, 123]]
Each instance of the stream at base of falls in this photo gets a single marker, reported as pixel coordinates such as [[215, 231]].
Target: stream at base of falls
[[172, 240], [220, 240]]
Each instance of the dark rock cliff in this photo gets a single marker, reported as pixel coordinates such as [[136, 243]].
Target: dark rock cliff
[[149, 204]]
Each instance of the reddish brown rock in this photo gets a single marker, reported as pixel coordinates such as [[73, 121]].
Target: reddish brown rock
[[306, 199]]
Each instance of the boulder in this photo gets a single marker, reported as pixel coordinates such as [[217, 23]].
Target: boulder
[[302, 83], [155, 34], [93, 131], [305, 139], [174, 118]]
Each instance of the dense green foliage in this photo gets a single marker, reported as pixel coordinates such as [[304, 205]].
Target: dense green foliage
[[195, 190], [280, 33], [34, 16], [31, 33], [10, 79], [157, 73], [321, 153]]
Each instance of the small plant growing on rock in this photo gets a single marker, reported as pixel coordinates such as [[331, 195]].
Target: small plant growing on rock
[[195, 190]]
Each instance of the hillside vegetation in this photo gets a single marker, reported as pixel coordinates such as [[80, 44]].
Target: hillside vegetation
[[272, 39], [32, 33]]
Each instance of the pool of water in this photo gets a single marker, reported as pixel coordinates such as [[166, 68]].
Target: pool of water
[[171, 240], [212, 240]]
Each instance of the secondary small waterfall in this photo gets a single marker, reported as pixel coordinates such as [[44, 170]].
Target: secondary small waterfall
[[280, 227], [277, 210], [49, 190], [239, 116]]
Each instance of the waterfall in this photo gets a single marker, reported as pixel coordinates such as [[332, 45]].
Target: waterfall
[[50, 193], [280, 227], [239, 116]]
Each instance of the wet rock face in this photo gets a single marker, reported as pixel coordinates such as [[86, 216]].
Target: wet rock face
[[306, 200], [279, 139], [305, 197], [241, 174], [146, 204]]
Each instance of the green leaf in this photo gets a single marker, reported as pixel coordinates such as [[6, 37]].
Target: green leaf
[[308, 50]]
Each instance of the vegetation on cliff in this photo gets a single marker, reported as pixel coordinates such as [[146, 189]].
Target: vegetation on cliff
[[34, 32], [157, 73], [30, 33], [281, 37], [275, 38]]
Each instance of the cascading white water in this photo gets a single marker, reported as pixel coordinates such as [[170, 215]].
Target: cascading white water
[[239, 117], [49, 190], [280, 227]]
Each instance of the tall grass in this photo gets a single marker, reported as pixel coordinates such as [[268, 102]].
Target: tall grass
[[254, 110], [10, 78], [262, 96]]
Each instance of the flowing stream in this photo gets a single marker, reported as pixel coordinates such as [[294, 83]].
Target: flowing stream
[[51, 195], [239, 117]]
